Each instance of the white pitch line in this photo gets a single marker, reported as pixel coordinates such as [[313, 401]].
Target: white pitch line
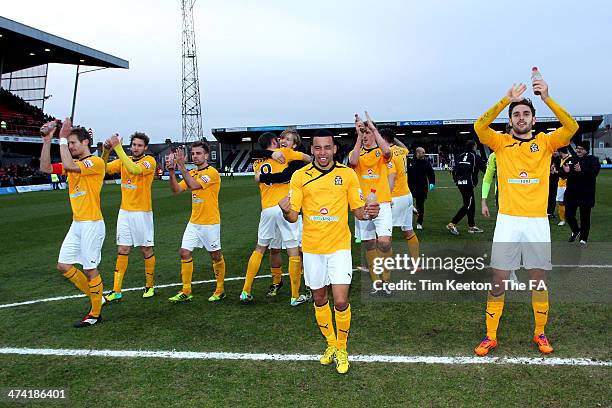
[[192, 355], [32, 302]]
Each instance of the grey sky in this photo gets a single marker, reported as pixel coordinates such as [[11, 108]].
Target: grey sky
[[272, 62]]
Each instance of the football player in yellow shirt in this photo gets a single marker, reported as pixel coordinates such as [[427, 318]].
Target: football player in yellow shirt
[[135, 219], [323, 191], [562, 185], [401, 197], [273, 228], [371, 160], [522, 229], [289, 138], [204, 227], [83, 242]]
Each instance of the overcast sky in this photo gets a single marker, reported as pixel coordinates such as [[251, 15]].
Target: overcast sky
[[276, 62]]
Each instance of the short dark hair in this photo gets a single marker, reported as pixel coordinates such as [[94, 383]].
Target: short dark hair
[[82, 134], [322, 133], [202, 144], [265, 140], [470, 145], [141, 136], [387, 134], [526, 102], [563, 150]]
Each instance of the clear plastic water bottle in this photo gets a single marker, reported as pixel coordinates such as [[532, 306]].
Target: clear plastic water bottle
[[535, 76], [371, 198]]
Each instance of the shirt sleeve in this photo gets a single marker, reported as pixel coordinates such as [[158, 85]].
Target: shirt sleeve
[[208, 180], [487, 180], [148, 166], [291, 155], [113, 167], [487, 135], [562, 136], [295, 192], [355, 196], [91, 165]]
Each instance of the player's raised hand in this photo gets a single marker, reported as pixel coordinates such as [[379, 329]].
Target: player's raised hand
[[360, 127], [257, 175], [114, 140], [66, 128], [285, 204], [370, 122], [279, 157], [107, 144], [170, 163], [540, 85], [179, 156], [515, 93], [46, 131]]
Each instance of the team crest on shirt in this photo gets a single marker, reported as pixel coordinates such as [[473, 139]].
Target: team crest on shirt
[[205, 178], [390, 165], [377, 153], [323, 211], [338, 181], [534, 148], [88, 163]]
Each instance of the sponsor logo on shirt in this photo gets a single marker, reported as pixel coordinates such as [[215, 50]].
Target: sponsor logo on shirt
[[324, 218], [523, 174], [78, 194], [523, 181], [323, 211], [370, 175]]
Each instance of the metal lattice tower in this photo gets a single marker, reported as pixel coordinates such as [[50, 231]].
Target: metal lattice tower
[[191, 109]]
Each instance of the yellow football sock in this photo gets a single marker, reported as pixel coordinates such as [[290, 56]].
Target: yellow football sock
[[562, 212], [495, 307], [413, 246], [252, 269], [277, 274], [371, 254], [386, 275], [219, 269], [149, 270], [95, 295], [343, 324], [186, 274], [539, 301], [295, 275], [79, 279], [120, 268], [324, 321]]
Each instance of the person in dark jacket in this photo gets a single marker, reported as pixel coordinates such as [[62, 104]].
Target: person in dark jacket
[[553, 183], [421, 179], [581, 172], [465, 175]]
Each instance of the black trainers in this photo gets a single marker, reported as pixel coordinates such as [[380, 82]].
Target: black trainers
[[573, 237], [87, 321]]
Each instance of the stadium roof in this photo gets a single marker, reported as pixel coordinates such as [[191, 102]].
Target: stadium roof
[[22, 46], [407, 128]]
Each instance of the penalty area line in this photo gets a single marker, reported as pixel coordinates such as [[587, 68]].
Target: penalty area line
[[393, 359]]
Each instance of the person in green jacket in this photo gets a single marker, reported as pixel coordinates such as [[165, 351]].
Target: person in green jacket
[[487, 180]]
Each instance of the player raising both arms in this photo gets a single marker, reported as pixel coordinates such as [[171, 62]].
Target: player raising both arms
[[370, 158], [323, 192], [135, 219], [204, 227], [522, 228], [83, 242]]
